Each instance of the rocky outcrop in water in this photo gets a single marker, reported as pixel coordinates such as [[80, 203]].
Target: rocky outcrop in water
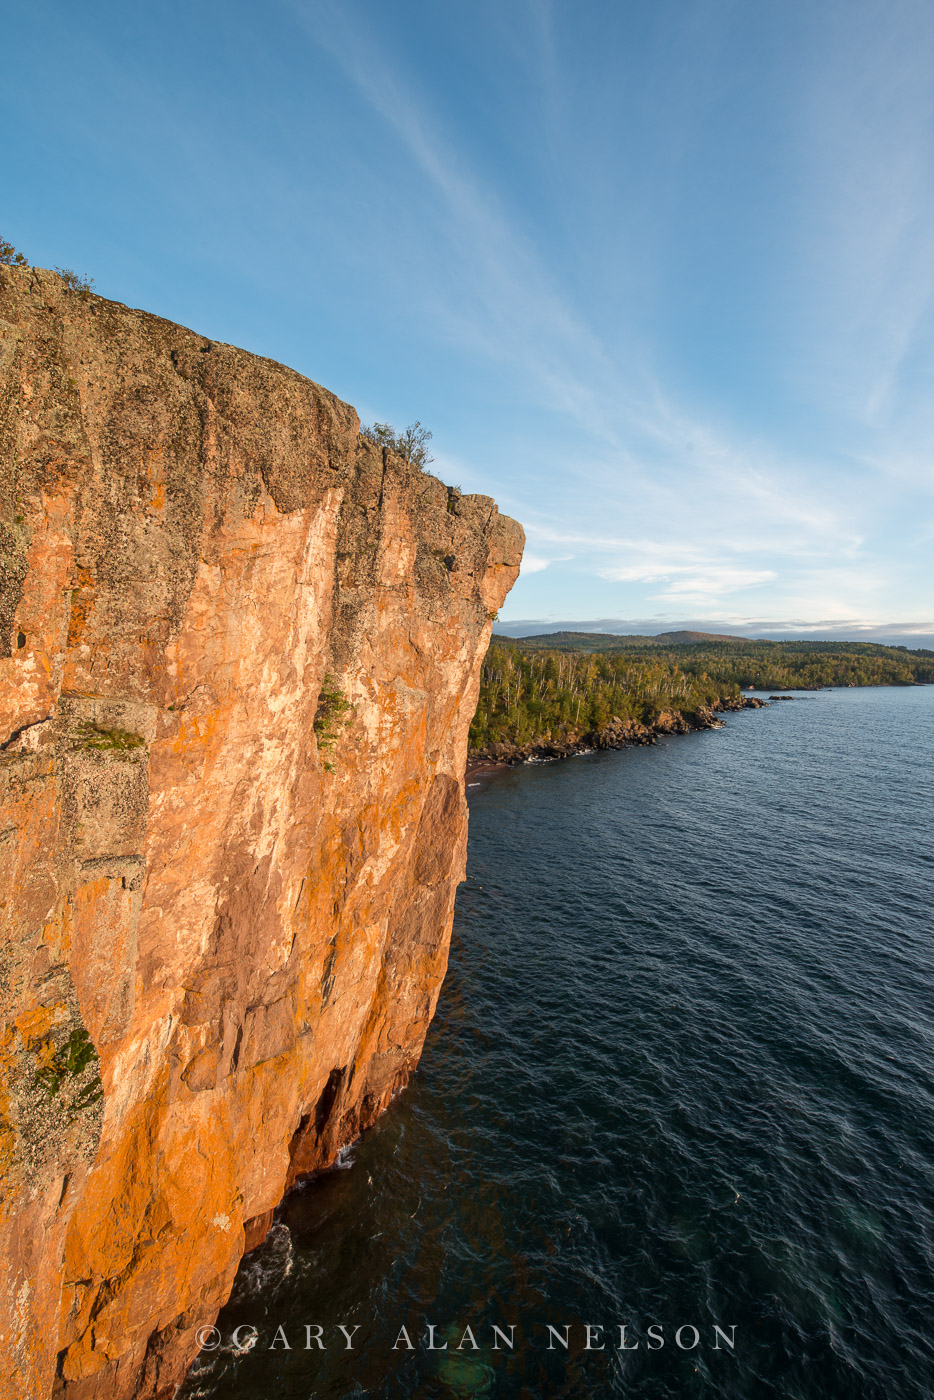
[[239, 655]]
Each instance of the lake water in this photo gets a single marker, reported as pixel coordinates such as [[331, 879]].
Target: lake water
[[681, 1076]]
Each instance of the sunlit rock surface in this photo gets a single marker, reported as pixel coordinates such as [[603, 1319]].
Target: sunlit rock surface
[[225, 927]]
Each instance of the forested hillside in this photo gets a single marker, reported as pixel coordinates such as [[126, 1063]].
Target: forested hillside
[[534, 692]]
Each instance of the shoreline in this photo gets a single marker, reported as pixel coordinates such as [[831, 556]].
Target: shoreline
[[618, 734], [478, 767]]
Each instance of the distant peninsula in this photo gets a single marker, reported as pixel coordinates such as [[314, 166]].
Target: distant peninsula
[[557, 694]]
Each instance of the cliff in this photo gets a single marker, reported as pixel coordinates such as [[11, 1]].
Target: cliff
[[227, 898]]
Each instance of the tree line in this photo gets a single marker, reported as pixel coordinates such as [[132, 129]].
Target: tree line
[[530, 694]]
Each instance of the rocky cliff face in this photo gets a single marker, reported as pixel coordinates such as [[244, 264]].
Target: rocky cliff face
[[227, 898]]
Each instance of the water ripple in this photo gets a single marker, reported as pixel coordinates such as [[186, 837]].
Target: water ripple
[[681, 1073]]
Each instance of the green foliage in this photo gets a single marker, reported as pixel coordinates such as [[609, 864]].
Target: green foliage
[[411, 443], [9, 257], [529, 697], [532, 693], [765, 665], [120, 740], [76, 281], [70, 1060], [91, 1093], [333, 712]]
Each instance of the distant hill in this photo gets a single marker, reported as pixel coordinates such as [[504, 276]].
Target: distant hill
[[677, 638], [612, 641], [692, 647]]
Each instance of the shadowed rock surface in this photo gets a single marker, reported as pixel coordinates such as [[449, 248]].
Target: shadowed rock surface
[[227, 902]]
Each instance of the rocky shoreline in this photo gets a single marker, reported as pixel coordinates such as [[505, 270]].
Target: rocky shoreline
[[618, 734]]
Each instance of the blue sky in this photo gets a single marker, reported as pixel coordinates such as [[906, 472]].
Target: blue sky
[[659, 276]]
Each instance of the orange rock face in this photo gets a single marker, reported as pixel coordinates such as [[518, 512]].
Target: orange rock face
[[239, 654]]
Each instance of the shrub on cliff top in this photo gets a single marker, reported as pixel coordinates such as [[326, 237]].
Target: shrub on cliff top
[[411, 443], [9, 257], [76, 281]]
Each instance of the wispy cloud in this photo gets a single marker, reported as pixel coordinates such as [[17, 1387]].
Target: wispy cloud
[[744, 511], [516, 311], [865, 117], [537, 563], [688, 585]]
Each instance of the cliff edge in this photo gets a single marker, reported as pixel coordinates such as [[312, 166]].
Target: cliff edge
[[227, 896]]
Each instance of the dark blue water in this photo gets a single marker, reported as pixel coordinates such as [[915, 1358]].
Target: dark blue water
[[681, 1075]]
